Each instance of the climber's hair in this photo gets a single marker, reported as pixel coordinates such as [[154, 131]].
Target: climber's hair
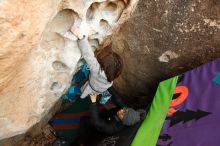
[[110, 62]]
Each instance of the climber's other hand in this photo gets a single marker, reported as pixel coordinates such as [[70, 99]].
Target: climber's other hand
[[93, 97]]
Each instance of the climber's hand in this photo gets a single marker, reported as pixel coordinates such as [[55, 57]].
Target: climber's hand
[[93, 97], [76, 31]]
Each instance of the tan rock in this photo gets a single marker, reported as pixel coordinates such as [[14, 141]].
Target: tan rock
[[39, 55]]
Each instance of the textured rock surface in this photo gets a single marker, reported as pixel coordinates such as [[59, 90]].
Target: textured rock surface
[[165, 38], [39, 55]]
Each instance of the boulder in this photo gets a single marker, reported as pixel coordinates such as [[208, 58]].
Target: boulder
[[39, 54], [163, 39]]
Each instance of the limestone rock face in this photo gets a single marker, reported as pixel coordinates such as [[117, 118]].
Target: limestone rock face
[[164, 39], [39, 54]]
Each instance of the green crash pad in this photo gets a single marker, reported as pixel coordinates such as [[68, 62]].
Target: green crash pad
[[149, 130]]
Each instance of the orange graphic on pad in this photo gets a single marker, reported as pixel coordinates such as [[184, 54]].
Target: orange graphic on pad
[[183, 91]]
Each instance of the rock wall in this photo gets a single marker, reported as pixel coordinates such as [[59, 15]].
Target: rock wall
[[39, 54], [164, 39]]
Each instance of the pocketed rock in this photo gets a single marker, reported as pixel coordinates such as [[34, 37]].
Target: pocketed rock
[[39, 54]]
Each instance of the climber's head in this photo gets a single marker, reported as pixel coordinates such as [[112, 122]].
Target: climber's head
[[110, 62]]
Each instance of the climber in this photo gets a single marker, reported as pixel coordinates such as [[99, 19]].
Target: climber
[[103, 69], [107, 122]]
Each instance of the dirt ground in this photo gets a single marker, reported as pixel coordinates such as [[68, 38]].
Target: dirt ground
[[45, 138]]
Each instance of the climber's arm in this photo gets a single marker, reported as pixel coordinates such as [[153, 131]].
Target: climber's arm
[[88, 54]]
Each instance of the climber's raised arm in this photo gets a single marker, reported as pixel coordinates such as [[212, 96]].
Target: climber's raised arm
[[88, 54], [86, 50]]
